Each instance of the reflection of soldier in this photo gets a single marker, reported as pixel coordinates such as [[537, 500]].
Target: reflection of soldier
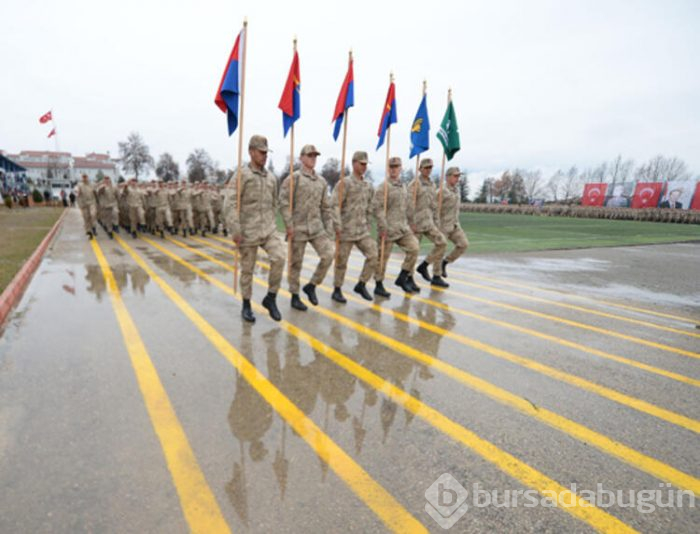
[[449, 217], [139, 279], [672, 200], [424, 219], [311, 223], [96, 281], [393, 228], [352, 221]]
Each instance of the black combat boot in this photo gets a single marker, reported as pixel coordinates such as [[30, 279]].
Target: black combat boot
[[297, 304], [225, 232], [361, 290], [184, 232], [423, 270], [94, 231], [110, 234], [379, 290], [247, 312], [162, 233], [437, 281], [444, 268], [89, 234], [338, 296], [412, 283], [402, 282], [270, 304], [310, 291]]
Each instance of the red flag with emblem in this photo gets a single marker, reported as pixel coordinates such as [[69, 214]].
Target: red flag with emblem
[[647, 194], [594, 194], [46, 117]]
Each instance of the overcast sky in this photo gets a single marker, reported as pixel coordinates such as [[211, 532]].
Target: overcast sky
[[536, 84]]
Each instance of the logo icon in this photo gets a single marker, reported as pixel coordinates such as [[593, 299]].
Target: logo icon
[[447, 501]]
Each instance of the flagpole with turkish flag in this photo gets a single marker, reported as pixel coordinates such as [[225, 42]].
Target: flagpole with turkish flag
[[230, 98], [290, 106]]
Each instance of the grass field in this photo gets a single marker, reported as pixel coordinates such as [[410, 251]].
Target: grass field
[[490, 233], [21, 231]]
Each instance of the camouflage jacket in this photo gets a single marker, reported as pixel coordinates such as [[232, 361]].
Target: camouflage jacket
[[107, 196], [354, 219], [86, 195], [449, 210], [395, 223], [424, 214], [312, 209], [258, 206]]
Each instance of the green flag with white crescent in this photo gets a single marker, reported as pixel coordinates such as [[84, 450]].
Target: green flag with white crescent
[[449, 133]]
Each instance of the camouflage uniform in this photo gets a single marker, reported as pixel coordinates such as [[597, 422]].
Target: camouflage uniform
[[311, 221], [352, 220], [162, 207], [395, 224], [449, 219], [134, 203], [109, 209], [183, 208], [423, 216], [87, 203], [256, 225]]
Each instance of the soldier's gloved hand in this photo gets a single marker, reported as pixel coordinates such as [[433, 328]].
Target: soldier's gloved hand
[[337, 235], [290, 233], [383, 234], [238, 239]]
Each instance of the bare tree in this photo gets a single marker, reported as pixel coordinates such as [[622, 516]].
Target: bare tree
[[167, 169], [533, 183], [571, 184], [464, 186], [662, 168], [199, 165], [620, 170], [135, 155], [554, 184]]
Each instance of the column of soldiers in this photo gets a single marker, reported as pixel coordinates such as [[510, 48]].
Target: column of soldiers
[[154, 207], [410, 212]]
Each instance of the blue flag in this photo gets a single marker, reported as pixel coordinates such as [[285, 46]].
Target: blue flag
[[420, 130]]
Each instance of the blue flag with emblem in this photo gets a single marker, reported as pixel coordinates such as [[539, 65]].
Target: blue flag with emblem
[[420, 129]]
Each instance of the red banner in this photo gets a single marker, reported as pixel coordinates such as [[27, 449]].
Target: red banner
[[646, 194], [594, 194], [695, 203], [46, 117]]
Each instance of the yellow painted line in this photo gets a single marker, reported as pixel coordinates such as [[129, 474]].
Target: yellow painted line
[[390, 511], [608, 393], [536, 333], [509, 464], [502, 281], [198, 503], [626, 454]]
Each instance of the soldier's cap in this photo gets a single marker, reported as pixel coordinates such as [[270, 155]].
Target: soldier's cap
[[259, 142], [360, 156], [427, 162], [308, 150], [395, 161], [454, 170]]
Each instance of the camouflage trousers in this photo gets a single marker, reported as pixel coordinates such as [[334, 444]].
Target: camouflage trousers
[[136, 216], [109, 215], [89, 217], [323, 247], [368, 247], [248, 254], [184, 218], [460, 241], [409, 244], [163, 215], [439, 245], [205, 218]]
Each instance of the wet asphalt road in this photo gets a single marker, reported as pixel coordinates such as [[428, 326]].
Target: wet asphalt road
[[151, 407]]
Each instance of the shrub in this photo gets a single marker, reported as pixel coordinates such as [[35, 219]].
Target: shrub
[[37, 197]]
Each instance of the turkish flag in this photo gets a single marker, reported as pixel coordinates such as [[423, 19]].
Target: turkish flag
[[695, 203], [646, 194], [52, 133], [594, 194], [46, 117]]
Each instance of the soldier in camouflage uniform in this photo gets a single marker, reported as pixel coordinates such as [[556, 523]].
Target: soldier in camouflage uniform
[[255, 226], [134, 203], [183, 208], [163, 217], [107, 201], [424, 219], [216, 204], [87, 202], [351, 221], [311, 222], [449, 217], [394, 228]]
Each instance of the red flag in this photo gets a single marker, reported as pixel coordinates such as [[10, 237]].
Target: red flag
[[695, 203], [646, 194], [46, 117], [594, 194], [290, 101], [52, 133]]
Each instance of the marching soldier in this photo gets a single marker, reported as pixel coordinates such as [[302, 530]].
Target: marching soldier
[[393, 228], [423, 216], [163, 216], [107, 199], [255, 226], [311, 221], [449, 218], [87, 202], [206, 215], [134, 203], [183, 209], [216, 204], [351, 222]]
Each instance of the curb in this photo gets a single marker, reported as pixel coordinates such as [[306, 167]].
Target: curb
[[14, 291]]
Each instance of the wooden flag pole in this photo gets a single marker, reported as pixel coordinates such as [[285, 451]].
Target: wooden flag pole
[[341, 184], [236, 258], [290, 239], [415, 189], [386, 183], [442, 170]]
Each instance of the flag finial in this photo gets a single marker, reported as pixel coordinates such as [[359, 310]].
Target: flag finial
[[295, 43], [245, 21], [425, 86]]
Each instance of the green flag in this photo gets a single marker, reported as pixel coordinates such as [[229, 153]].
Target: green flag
[[449, 133]]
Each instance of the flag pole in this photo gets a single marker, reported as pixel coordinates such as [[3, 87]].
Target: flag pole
[[291, 189], [342, 172], [386, 181], [415, 188], [442, 170], [236, 257]]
